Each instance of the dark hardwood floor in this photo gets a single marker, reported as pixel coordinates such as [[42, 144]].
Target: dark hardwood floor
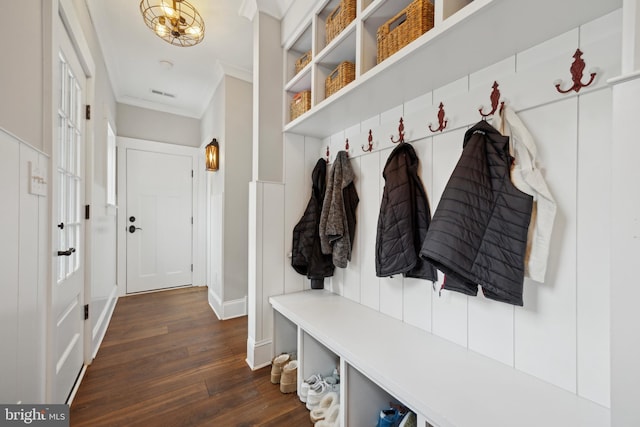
[[166, 360]]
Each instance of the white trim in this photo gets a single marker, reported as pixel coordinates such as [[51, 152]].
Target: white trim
[[624, 78], [215, 303], [71, 21], [23, 142], [102, 323], [235, 308], [228, 309], [76, 386], [259, 353]]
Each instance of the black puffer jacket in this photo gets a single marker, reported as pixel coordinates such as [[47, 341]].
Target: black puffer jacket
[[404, 218], [307, 257], [478, 235]]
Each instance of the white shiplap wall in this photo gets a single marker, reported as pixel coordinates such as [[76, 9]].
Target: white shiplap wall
[[24, 230], [561, 335]]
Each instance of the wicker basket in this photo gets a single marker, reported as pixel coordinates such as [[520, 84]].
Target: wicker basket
[[303, 61], [300, 103], [343, 74], [409, 24], [339, 18]]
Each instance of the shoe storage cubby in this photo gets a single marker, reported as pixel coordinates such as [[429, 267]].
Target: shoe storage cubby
[[315, 358], [364, 399], [286, 340]]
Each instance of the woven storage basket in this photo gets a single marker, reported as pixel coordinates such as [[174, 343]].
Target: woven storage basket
[[409, 24], [300, 103], [341, 76], [303, 61], [339, 18]]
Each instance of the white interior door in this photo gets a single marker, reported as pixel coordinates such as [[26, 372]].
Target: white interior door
[[159, 220], [68, 191]]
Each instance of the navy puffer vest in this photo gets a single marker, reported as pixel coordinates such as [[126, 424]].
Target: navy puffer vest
[[478, 234]]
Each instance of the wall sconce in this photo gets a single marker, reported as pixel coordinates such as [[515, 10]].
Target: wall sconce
[[212, 154]]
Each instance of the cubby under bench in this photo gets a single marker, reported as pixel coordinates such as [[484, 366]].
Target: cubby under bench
[[384, 360]]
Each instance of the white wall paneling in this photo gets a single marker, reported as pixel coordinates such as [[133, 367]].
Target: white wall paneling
[[593, 245], [22, 272], [296, 196], [266, 262], [625, 252], [9, 256], [369, 208]]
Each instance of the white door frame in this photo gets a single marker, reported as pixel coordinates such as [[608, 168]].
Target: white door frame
[[65, 9], [125, 143]]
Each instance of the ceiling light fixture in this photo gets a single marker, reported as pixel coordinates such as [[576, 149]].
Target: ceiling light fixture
[[174, 21]]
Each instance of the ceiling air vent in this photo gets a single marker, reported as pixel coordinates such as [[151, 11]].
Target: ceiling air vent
[[159, 92]]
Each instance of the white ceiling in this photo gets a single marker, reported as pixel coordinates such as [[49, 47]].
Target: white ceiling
[[133, 53]]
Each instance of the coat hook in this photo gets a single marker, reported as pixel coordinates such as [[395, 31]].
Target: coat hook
[[495, 99], [327, 154], [370, 147], [577, 71], [346, 146], [400, 133], [441, 120]]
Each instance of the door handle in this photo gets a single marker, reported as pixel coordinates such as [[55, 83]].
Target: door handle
[[133, 228], [68, 252]]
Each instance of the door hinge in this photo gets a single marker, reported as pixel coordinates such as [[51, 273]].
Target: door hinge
[[86, 312], [192, 268], [87, 211], [191, 173], [191, 220], [87, 112]]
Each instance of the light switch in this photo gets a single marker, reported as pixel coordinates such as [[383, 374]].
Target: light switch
[[37, 180]]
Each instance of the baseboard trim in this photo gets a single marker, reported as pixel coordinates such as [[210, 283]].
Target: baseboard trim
[[259, 354], [228, 309], [100, 329]]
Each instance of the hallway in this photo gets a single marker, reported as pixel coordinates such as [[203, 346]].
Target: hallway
[[166, 360]]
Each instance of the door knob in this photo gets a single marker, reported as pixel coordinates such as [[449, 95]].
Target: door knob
[[133, 228]]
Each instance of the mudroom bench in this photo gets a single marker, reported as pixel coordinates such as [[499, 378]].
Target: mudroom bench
[[384, 360]]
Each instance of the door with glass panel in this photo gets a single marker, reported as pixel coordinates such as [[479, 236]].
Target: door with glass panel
[[68, 190]]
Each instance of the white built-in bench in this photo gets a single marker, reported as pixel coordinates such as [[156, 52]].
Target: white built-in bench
[[384, 359]]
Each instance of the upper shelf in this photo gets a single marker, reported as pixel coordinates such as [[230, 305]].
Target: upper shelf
[[480, 34]]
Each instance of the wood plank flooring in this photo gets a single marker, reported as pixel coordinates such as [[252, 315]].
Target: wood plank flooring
[[166, 360]]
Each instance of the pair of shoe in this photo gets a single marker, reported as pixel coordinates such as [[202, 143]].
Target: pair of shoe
[[277, 364], [319, 389], [306, 386], [327, 414], [313, 382], [289, 377]]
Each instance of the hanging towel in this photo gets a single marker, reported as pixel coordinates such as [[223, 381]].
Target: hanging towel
[[307, 257], [527, 178], [338, 218]]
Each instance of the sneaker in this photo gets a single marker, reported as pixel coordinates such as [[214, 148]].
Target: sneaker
[[306, 385], [277, 364], [289, 377]]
